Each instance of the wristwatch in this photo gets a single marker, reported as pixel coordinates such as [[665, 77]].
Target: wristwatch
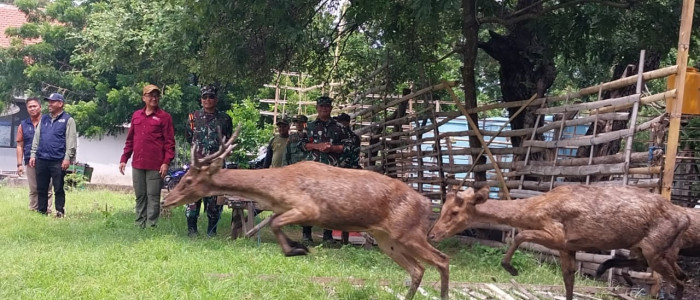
[[19, 165]]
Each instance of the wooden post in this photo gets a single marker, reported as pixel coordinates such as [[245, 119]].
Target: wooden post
[[675, 122], [481, 139], [633, 119]]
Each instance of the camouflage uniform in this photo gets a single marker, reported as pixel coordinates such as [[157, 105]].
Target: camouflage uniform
[[294, 153], [201, 131], [329, 131], [319, 132], [351, 160]]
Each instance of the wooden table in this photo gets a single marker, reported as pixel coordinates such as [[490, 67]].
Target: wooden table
[[240, 223]]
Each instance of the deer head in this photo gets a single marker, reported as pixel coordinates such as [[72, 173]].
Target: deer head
[[455, 212], [198, 182]]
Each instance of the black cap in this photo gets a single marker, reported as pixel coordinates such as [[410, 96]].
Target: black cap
[[344, 117], [300, 118], [324, 100]]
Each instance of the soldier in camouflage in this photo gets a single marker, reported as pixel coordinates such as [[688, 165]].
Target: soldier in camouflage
[[351, 160], [201, 132], [295, 153], [326, 141]]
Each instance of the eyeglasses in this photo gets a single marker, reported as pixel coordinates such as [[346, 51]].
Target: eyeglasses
[[152, 95], [208, 97]]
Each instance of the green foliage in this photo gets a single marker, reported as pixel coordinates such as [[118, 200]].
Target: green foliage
[[251, 137], [75, 181]]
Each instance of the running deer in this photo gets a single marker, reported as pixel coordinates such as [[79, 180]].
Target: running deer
[[689, 246], [575, 218], [315, 194]]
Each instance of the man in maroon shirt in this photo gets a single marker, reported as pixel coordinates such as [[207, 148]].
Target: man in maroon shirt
[[151, 139]]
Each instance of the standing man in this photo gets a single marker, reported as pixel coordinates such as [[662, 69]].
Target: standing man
[[295, 153], [151, 139], [201, 132], [277, 148], [25, 137], [352, 160], [326, 140], [53, 149]]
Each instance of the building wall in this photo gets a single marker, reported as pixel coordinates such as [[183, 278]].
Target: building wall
[[101, 154]]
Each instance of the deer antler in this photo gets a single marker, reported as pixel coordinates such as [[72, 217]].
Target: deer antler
[[224, 148]]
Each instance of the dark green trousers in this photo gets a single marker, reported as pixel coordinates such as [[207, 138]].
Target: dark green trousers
[[147, 185]]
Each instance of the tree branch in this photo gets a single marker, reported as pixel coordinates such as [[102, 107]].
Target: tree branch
[[521, 14]]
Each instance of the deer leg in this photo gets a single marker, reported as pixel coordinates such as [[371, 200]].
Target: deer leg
[[421, 249], [536, 236], [568, 269], [400, 255], [289, 247]]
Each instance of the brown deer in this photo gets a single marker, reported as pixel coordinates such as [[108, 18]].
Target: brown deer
[[315, 194], [689, 246], [575, 218]]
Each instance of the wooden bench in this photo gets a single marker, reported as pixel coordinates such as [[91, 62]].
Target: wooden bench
[[241, 223]]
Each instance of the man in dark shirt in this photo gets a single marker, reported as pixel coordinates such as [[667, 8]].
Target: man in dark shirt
[[151, 139], [325, 141], [53, 149]]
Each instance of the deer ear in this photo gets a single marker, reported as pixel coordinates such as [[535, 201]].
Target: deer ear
[[482, 195], [216, 165]]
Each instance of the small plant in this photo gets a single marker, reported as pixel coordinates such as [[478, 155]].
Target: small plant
[[75, 181]]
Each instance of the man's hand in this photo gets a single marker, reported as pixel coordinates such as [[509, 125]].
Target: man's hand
[[20, 170], [65, 164], [325, 147], [122, 166], [163, 170], [32, 162]]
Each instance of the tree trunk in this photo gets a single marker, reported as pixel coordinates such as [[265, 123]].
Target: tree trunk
[[527, 66], [470, 30]]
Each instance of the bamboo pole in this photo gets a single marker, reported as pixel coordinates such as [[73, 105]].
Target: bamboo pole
[[633, 120], [595, 132], [623, 82], [438, 148], [590, 105], [644, 101], [481, 139], [588, 140], [532, 137], [677, 109], [381, 107]]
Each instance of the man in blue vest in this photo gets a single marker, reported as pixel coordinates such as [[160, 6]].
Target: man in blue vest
[[53, 149], [25, 136]]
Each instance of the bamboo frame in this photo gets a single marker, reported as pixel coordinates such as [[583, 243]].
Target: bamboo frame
[[675, 122]]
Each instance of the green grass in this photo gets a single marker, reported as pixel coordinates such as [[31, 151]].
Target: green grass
[[96, 252]]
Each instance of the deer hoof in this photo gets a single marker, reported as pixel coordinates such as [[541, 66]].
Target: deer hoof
[[297, 252], [297, 245], [509, 268]]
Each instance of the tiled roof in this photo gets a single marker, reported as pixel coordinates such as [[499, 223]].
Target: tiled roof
[[11, 16]]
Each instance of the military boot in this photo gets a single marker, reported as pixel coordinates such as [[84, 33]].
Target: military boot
[[211, 228], [192, 227], [306, 234], [327, 235]]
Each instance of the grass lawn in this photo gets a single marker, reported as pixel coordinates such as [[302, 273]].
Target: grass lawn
[[96, 252]]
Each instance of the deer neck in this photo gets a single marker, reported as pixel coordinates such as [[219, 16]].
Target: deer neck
[[246, 184], [507, 212]]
